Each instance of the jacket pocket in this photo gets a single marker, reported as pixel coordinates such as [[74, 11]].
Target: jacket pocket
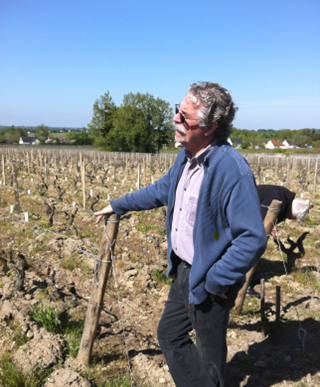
[[191, 210]]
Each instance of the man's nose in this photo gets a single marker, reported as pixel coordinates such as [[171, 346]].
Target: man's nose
[[177, 118]]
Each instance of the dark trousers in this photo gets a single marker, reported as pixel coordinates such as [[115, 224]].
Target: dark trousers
[[202, 365]]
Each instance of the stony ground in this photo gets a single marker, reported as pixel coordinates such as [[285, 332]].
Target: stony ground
[[258, 355]]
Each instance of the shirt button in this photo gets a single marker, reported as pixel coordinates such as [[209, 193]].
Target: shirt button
[[176, 249], [180, 209], [176, 229], [185, 189]]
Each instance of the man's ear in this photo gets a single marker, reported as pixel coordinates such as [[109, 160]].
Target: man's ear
[[212, 128]]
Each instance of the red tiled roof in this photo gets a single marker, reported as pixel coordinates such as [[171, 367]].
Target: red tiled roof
[[276, 143]]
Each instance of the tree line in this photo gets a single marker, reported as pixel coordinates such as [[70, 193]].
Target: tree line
[[143, 123]]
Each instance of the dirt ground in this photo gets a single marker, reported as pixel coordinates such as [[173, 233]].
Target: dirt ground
[[259, 354]]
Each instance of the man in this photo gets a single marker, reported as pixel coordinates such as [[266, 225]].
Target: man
[[215, 234], [291, 208]]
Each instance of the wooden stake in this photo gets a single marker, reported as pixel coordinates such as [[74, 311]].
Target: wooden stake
[[264, 320], [278, 303], [315, 177], [139, 172], [83, 178], [268, 223], [288, 173], [28, 164], [15, 186], [97, 291], [3, 172]]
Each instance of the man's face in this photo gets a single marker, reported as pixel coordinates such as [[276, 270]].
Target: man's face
[[193, 137]]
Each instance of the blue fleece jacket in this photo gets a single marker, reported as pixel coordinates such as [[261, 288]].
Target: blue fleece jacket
[[228, 236]]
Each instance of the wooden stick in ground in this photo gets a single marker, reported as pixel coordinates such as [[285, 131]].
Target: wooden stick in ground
[[288, 174], [315, 177], [28, 164], [3, 172], [268, 223], [278, 303], [139, 172], [97, 292], [15, 186], [264, 320], [83, 178]]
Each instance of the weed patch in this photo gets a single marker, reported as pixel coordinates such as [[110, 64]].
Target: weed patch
[[307, 278], [11, 375], [160, 277]]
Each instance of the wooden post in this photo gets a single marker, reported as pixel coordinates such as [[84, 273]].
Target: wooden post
[[97, 290], [259, 174], [268, 223], [40, 159], [139, 172], [278, 303], [264, 320], [83, 178], [288, 173], [277, 166], [144, 171], [3, 171], [15, 186], [315, 177], [46, 169], [28, 165]]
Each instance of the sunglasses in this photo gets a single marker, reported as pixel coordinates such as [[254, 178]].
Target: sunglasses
[[182, 117]]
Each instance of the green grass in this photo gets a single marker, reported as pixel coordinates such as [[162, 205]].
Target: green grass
[[17, 336], [71, 329], [307, 278], [251, 306], [69, 263], [111, 381], [160, 277], [45, 318], [145, 226], [11, 375], [309, 221]]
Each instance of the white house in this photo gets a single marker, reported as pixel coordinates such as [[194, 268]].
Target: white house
[[273, 144], [29, 141], [235, 142], [289, 144]]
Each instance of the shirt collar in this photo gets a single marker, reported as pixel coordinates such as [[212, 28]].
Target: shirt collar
[[201, 156]]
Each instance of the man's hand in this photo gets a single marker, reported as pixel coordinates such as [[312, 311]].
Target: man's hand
[[101, 214], [223, 295]]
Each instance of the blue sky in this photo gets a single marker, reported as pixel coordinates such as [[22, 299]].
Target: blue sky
[[58, 56]]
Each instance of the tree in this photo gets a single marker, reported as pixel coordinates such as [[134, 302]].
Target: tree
[[316, 144], [142, 123], [81, 138], [245, 145], [301, 139], [102, 119], [16, 131], [42, 131]]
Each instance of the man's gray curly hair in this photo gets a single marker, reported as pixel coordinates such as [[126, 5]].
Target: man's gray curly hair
[[216, 105]]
